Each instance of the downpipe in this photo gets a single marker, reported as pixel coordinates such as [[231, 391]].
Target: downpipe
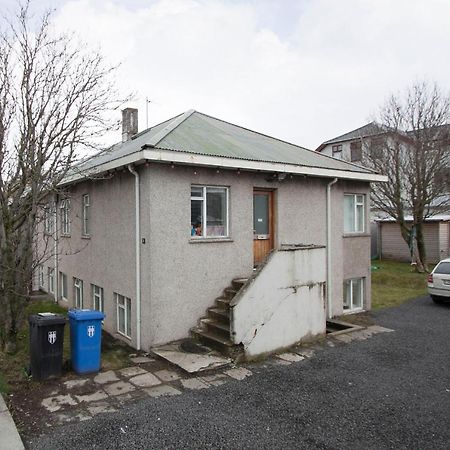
[[138, 255], [329, 289]]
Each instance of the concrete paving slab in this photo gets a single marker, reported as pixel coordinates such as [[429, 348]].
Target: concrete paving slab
[[194, 383], [100, 408], [306, 352], [141, 359], [167, 375], [121, 387], [292, 357], [239, 373], [346, 338], [75, 383], [145, 380], [53, 404], [379, 329], [132, 371], [9, 437], [106, 377], [162, 390], [190, 362], [94, 397]]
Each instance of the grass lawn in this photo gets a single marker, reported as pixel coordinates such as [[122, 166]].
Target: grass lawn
[[393, 283], [13, 368]]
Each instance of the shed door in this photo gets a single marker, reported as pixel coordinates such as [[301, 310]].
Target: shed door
[[262, 224]]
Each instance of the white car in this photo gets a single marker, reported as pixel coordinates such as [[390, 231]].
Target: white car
[[439, 282]]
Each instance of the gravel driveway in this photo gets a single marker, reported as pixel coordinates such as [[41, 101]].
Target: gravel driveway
[[389, 391]]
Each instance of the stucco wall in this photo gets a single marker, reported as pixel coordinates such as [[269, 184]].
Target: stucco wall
[[107, 258], [180, 278], [186, 277], [283, 304]]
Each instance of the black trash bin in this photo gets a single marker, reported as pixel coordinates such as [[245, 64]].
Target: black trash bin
[[46, 345]]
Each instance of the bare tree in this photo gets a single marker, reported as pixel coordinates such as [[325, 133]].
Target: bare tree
[[415, 154], [54, 99]]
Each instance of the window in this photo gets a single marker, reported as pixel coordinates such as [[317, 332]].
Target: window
[[49, 220], [209, 211], [78, 291], [354, 213], [64, 212], [353, 294], [97, 298], [86, 215], [41, 276], [355, 151], [51, 280], [336, 151], [63, 285], [123, 315]]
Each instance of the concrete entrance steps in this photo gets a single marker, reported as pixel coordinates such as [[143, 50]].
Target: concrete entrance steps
[[214, 329]]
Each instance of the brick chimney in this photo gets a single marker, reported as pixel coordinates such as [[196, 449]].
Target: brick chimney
[[129, 123]]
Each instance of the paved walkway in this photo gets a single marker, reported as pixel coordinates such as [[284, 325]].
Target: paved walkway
[[389, 391], [83, 398], [9, 437]]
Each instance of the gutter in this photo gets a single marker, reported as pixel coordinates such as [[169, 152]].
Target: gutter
[[329, 290], [138, 255]]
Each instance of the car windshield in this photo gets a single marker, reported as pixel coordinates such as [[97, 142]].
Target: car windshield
[[443, 267]]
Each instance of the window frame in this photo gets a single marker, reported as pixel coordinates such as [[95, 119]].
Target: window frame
[[203, 199], [127, 320], [356, 203], [51, 280], [78, 288], [349, 284], [64, 213], [85, 215], [99, 295], [49, 218], [336, 149], [356, 147], [63, 288]]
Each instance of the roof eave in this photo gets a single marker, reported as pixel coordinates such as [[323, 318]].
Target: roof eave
[[149, 153]]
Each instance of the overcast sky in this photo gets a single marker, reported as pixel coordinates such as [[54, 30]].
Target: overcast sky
[[304, 71]]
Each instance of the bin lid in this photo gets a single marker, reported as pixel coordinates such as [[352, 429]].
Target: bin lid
[[46, 318], [85, 314]]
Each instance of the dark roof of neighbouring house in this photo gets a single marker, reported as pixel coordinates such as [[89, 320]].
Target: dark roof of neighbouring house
[[370, 129], [195, 133]]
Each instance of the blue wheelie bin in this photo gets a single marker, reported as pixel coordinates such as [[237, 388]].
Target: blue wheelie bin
[[85, 339]]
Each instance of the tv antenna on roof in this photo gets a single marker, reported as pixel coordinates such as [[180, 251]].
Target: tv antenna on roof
[[147, 101]]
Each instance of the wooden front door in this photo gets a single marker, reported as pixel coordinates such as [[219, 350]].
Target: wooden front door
[[263, 227]]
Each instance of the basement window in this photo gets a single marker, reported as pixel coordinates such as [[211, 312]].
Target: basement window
[[123, 314], [209, 212], [353, 294]]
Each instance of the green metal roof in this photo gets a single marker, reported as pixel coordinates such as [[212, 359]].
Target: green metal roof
[[197, 133]]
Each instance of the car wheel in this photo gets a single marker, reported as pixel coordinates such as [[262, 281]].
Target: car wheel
[[437, 299]]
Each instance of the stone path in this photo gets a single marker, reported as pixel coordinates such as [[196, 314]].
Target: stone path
[[83, 397]]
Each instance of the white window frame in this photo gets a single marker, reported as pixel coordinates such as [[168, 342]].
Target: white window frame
[[127, 320], [204, 211], [78, 293], [63, 286], [86, 205], [41, 277], [51, 280], [97, 297], [356, 205], [351, 285], [64, 210]]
